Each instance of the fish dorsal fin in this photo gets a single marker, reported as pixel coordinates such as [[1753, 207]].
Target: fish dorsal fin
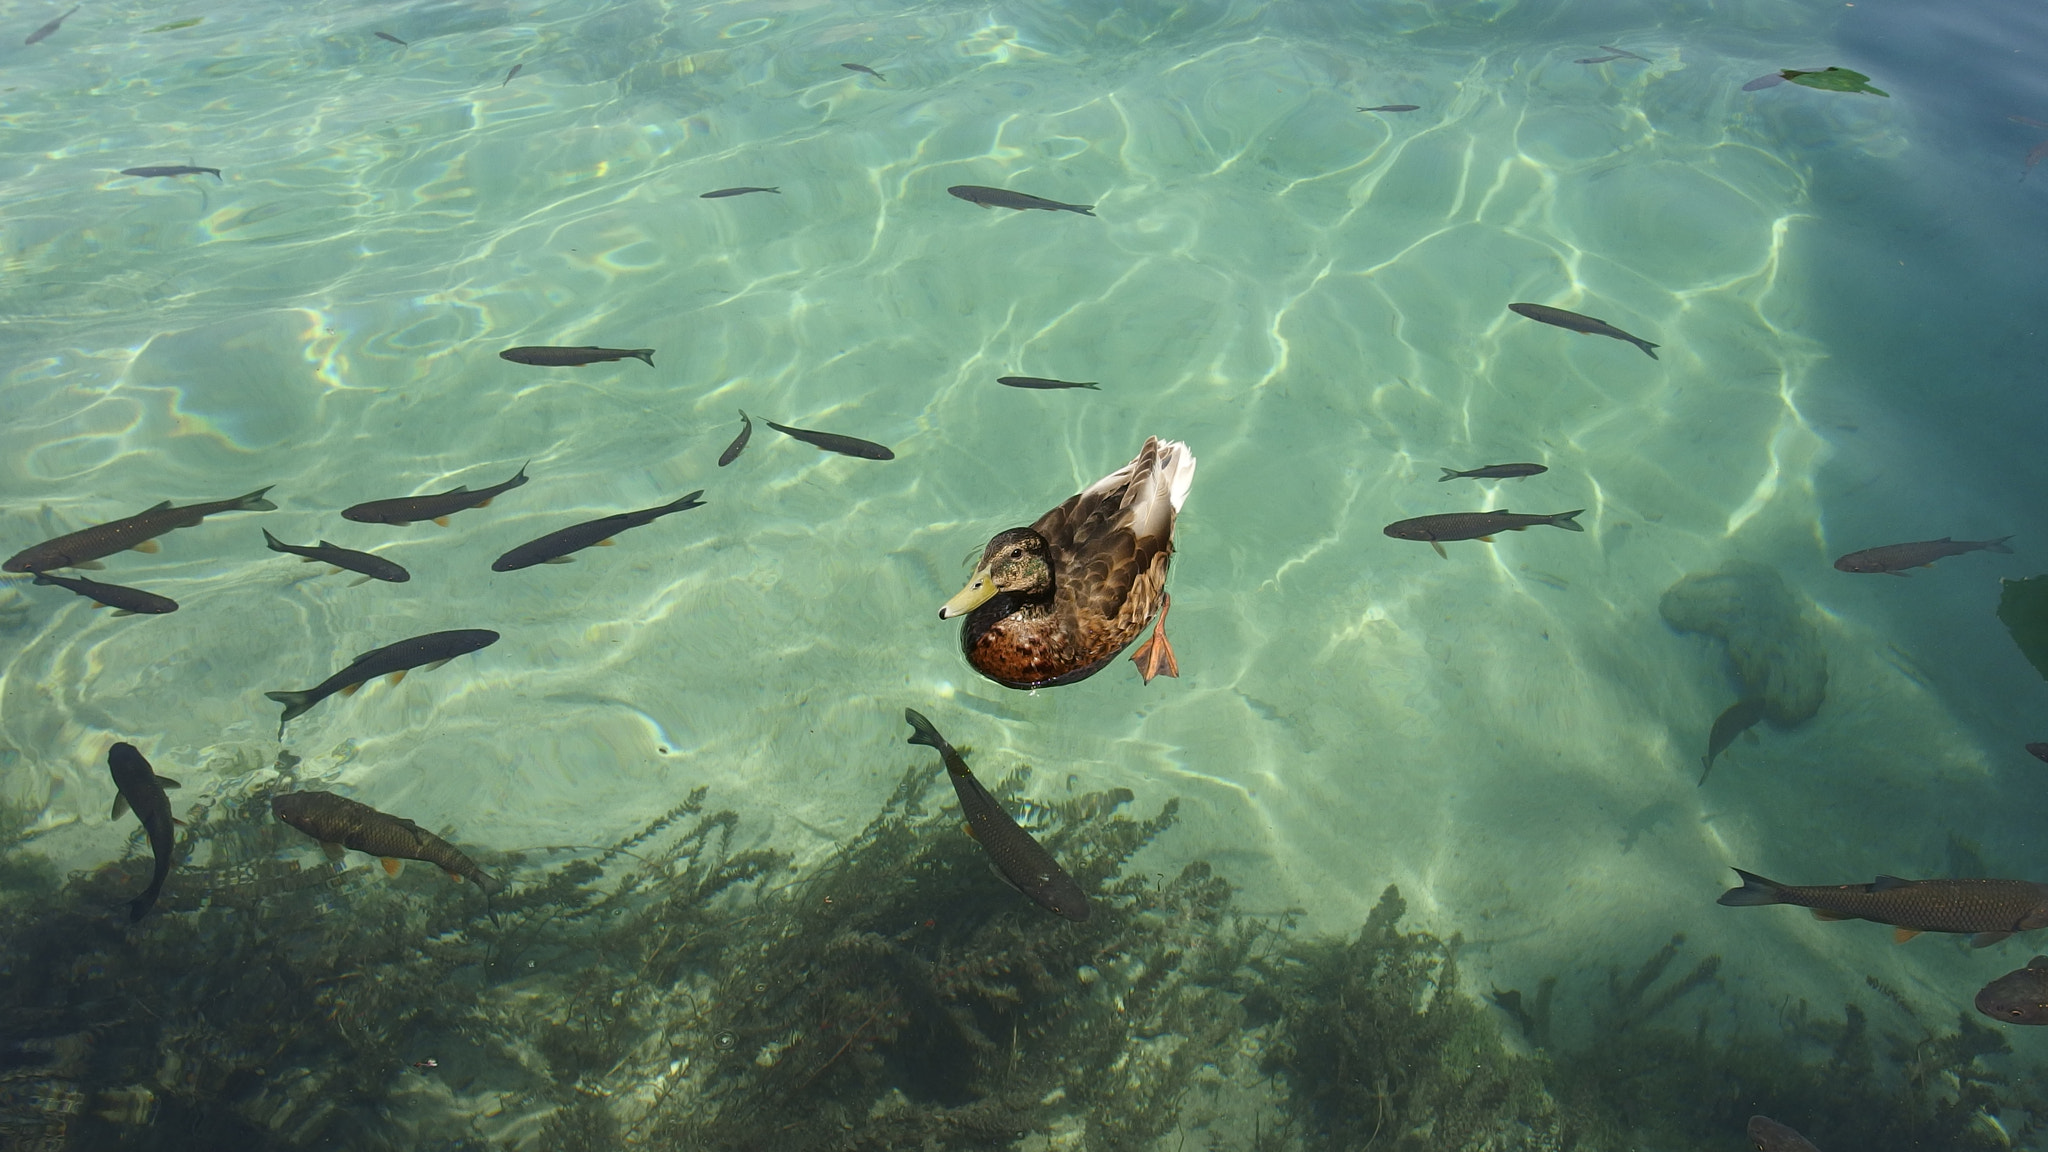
[[1889, 883], [156, 507], [325, 544], [1500, 512], [120, 807], [1901, 935], [392, 867], [167, 782]]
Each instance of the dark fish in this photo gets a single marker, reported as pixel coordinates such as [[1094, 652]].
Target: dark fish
[[143, 790], [574, 357], [1039, 382], [2040, 751], [124, 601], [437, 507], [1767, 1135], [1393, 108], [432, 650], [1004, 198], [1475, 526], [372, 567], [739, 442], [1740, 717], [390, 37], [338, 822], [79, 549], [1020, 860], [1767, 80], [2019, 996], [722, 193], [554, 548], [1991, 909], [1891, 558], [1577, 323], [1603, 59], [833, 442], [170, 170], [866, 69], [1492, 472], [46, 30], [511, 74]]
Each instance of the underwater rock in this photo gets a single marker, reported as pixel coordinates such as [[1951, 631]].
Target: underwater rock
[[1772, 642]]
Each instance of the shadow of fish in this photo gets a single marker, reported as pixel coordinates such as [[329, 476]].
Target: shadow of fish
[[722, 193], [143, 790], [339, 823], [47, 30], [834, 442], [1476, 526], [171, 170], [371, 567], [1990, 910], [139, 532], [390, 37], [554, 548], [124, 601], [1545, 314], [402, 510], [395, 660], [1891, 558], [2019, 996], [1739, 717], [739, 442], [866, 69], [1393, 108], [1770, 1136], [549, 357], [1004, 198]]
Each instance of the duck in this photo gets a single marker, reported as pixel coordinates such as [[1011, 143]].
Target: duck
[[1056, 602]]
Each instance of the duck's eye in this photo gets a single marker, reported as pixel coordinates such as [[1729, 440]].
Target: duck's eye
[[1016, 553]]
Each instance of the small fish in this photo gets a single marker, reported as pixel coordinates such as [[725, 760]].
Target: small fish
[[429, 1062], [1740, 717], [1475, 526], [722, 193], [1040, 382], [174, 25], [46, 30], [340, 823], [371, 566], [2039, 751], [1493, 472], [1544, 313], [171, 170], [2019, 996], [554, 548], [143, 790], [739, 442], [2038, 154], [139, 532], [1891, 558], [2029, 123], [575, 357], [397, 41], [1603, 59], [1990, 909], [1004, 198], [511, 74], [866, 69], [437, 507], [395, 660], [1770, 1136], [1021, 861], [833, 442], [124, 601], [1393, 108], [1767, 80]]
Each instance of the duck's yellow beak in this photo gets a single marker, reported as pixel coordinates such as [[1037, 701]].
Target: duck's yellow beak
[[977, 593]]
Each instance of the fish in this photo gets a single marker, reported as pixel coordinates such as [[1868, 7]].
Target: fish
[[139, 532], [554, 548], [1767, 1135], [431, 650], [722, 193], [143, 790], [1990, 910], [833, 442], [429, 1062], [1544, 313], [1393, 108], [1004, 198], [49, 29], [1020, 860], [1493, 472], [2035, 156], [739, 442], [1603, 59], [174, 25], [2039, 751], [1891, 558], [2028, 122], [574, 357], [1475, 526], [371, 566], [390, 37], [436, 507], [511, 74], [340, 823], [1040, 382], [171, 170], [124, 601], [2018, 997], [866, 69], [1740, 717]]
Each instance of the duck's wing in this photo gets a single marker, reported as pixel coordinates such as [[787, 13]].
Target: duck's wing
[[1111, 544]]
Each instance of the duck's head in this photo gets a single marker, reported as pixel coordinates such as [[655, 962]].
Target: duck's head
[[1015, 561]]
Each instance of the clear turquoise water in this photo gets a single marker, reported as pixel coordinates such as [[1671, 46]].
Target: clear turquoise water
[[1846, 291]]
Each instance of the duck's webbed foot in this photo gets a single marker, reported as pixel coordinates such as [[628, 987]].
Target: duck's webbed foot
[[1155, 656]]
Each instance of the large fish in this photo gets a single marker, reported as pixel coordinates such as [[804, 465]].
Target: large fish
[[1894, 558], [171, 170], [437, 507], [1990, 910], [1544, 313], [1475, 526], [143, 790], [47, 30], [124, 601], [431, 650], [1493, 472], [1739, 717], [575, 357], [339, 823], [1004, 198], [834, 442], [79, 549], [739, 442], [1021, 861], [554, 548], [2019, 996], [1767, 1135], [371, 566]]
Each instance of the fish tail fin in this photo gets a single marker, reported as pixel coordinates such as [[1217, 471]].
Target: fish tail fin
[[1706, 766], [1568, 520], [684, 504], [1755, 890], [1449, 474], [925, 733], [295, 704], [140, 906], [1083, 209], [1998, 545], [254, 501], [1648, 348], [277, 545], [647, 354]]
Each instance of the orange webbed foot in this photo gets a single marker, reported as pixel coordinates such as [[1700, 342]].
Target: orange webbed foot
[[1155, 656]]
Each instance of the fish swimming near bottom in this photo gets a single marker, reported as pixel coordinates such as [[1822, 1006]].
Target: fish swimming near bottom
[[544, 356], [2038, 751], [1040, 382], [1767, 1135], [866, 69], [339, 823], [50, 29], [1891, 559], [722, 193], [395, 660], [143, 790], [554, 548], [1393, 108], [436, 506], [739, 442], [1004, 198], [171, 170], [1990, 910], [2019, 996], [1476, 526], [124, 601], [371, 566], [1739, 717], [1493, 472], [1020, 860], [390, 37], [834, 442], [1545, 314], [78, 549]]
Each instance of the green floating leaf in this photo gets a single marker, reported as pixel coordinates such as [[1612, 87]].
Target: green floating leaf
[[1833, 80], [174, 25], [2023, 607]]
